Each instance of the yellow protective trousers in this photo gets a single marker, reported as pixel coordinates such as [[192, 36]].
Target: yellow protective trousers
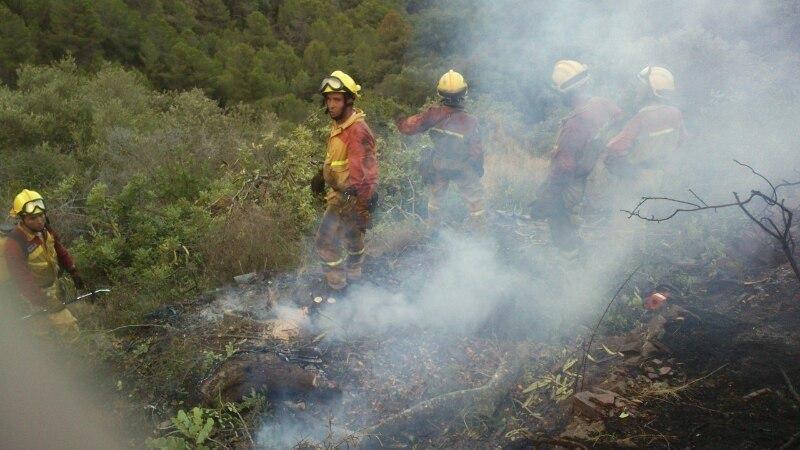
[[469, 188], [340, 240]]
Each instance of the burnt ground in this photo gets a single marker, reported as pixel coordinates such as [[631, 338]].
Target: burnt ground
[[725, 388], [752, 330]]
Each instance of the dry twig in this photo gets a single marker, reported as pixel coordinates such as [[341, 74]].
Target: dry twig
[[792, 443], [588, 348], [791, 387], [780, 232]]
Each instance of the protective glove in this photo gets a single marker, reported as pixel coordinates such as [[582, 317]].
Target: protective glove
[[373, 202], [350, 193], [318, 183], [364, 218], [54, 303]]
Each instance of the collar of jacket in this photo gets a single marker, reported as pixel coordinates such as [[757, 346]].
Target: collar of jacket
[[355, 117], [589, 104], [31, 236]]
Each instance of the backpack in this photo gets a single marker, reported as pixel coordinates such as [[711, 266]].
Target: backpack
[[450, 154]]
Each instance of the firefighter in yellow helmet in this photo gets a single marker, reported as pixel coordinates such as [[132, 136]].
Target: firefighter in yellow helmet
[[578, 147], [34, 256], [653, 134], [457, 156], [350, 172]]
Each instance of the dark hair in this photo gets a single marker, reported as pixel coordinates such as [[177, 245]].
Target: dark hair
[[348, 97]]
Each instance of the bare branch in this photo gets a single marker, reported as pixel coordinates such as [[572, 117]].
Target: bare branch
[[698, 198], [782, 234], [772, 186]]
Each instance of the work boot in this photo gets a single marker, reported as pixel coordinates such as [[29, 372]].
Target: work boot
[[354, 273], [336, 279], [353, 265]]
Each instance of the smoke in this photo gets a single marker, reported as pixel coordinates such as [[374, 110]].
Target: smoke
[[457, 294], [736, 66]]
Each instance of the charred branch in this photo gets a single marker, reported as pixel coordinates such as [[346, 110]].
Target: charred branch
[[777, 225]]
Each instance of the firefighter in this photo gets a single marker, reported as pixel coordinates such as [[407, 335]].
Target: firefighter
[[34, 256], [578, 147], [457, 156], [351, 172], [652, 135]]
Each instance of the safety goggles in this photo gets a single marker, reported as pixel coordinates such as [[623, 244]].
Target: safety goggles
[[334, 83], [34, 207]]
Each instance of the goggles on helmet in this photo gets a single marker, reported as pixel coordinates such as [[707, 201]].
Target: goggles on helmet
[[334, 83], [34, 207]]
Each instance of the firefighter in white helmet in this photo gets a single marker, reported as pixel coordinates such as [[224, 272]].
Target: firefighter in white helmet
[[638, 153], [578, 147]]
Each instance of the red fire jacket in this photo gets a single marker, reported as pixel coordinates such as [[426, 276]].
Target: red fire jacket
[[650, 122], [578, 130], [351, 158], [449, 119], [17, 262]]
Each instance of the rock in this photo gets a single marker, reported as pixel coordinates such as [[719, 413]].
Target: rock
[[596, 405], [295, 406], [581, 430], [632, 345], [651, 348], [633, 361], [756, 393], [665, 370], [282, 329], [655, 327], [246, 278]]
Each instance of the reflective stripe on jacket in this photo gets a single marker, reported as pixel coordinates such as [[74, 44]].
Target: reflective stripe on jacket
[[448, 121], [654, 130]]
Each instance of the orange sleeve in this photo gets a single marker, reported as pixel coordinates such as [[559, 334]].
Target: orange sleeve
[[362, 161], [64, 258], [421, 122], [622, 142]]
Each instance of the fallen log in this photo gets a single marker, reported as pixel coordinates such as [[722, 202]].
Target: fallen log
[[484, 399], [244, 372]]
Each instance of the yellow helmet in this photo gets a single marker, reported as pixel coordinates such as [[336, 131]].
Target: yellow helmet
[[27, 202], [569, 74], [452, 84], [339, 81], [659, 79]]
